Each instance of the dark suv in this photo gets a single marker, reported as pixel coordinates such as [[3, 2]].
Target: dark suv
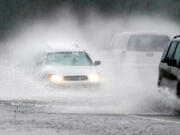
[[169, 68]]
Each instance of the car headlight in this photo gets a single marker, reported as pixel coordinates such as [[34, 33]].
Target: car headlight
[[94, 77], [56, 78]]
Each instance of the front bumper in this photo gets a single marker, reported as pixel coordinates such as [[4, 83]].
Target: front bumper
[[75, 84]]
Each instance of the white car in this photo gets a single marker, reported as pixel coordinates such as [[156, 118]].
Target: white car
[[69, 67], [138, 47], [137, 53]]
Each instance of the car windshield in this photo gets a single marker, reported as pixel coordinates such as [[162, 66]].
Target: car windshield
[[69, 59], [147, 42]]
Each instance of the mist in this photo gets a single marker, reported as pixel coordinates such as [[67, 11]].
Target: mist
[[117, 94]]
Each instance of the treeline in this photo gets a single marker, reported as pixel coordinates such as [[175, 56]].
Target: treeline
[[12, 11]]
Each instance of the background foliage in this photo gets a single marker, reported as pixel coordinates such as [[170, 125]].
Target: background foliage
[[12, 11]]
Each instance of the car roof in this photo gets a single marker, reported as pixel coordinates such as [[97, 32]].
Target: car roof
[[72, 48], [65, 50], [141, 33], [176, 40]]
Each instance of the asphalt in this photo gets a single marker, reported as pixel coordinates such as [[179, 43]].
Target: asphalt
[[29, 118]]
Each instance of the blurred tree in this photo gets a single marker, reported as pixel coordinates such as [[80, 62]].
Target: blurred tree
[[12, 11]]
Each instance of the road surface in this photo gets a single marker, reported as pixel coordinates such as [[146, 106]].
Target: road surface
[[32, 118]]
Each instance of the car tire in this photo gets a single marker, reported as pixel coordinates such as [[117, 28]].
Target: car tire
[[159, 83], [178, 90]]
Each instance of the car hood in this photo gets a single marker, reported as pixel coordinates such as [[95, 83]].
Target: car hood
[[69, 70]]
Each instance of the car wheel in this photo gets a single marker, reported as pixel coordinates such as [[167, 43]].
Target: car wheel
[[159, 83], [178, 90]]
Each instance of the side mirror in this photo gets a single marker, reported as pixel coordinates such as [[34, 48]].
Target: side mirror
[[96, 63], [172, 62]]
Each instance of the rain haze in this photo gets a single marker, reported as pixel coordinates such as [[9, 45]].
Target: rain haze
[[125, 40]]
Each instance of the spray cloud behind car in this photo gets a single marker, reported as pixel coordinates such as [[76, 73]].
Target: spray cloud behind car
[[92, 34]]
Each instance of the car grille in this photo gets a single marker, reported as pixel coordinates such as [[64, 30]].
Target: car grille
[[75, 78]]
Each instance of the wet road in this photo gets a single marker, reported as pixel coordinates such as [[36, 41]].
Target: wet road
[[32, 118]]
